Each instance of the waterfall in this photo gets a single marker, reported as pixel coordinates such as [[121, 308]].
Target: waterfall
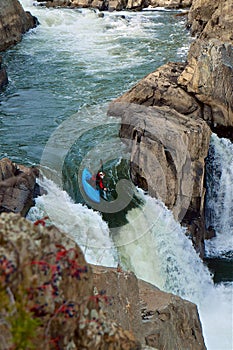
[[157, 249], [219, 199]]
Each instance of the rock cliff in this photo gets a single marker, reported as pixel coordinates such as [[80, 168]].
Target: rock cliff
[[161, 320], [209, 72], [14, 22], [51, 298], [168, 152]]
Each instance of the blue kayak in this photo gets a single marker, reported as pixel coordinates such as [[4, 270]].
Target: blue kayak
[[90, 191]]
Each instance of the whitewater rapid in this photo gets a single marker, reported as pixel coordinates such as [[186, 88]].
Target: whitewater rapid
[[152, 243], [219, 212]]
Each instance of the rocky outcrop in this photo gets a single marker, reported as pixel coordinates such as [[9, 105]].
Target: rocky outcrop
[[161, 320], [50, 297], [14, 22], [3, 75], [168, 152], [46, 293], [209, 73], [161, 88], [117, 5], [17, 186]]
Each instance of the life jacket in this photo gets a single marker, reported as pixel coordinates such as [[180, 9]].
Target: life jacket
[[99, 182]]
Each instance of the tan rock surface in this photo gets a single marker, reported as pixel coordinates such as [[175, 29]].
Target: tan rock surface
[[14, 22], [17, 185], [161, 88], [209, 73], [44, 276], [119, 5], [169, 322], [166, 322], [168, 152], [172, 4]]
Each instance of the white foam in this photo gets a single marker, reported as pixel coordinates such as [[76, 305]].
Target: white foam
[[156, 248], [220, 197], [83, 225]]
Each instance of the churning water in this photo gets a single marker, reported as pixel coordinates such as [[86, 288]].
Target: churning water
[[70, 65]]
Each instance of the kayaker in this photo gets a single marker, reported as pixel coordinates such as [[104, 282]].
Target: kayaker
[[99, 181]]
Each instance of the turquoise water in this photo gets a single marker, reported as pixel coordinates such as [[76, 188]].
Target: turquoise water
[[75, 59]]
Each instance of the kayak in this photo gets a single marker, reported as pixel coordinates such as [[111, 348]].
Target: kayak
[[90, 191]]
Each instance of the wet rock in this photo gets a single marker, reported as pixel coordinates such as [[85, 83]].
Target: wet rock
[[3, 75], [209, 73], [14, 22], [17, 185]]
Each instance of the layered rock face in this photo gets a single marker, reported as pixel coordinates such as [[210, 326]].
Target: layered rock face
[[209, 73], [168, 152], [17, 186], [14, 22], [47, 286], [51, 298]]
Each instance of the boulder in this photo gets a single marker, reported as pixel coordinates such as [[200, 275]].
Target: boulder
[[168, 152], [161, 88], [14, 22], [169, 322], [158, 319], [3, 75], [17, 186], [46, 293]]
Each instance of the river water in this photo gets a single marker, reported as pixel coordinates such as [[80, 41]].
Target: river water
[[53, 113]]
